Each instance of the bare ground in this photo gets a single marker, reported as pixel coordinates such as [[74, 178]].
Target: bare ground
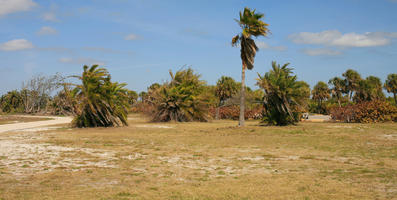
[[200, 161]]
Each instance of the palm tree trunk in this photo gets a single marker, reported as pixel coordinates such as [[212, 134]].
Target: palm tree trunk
[[241, 121], [395, 98], [217, 111]]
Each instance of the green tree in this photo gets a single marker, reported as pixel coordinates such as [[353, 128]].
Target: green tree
[[320, 93], [369, 89], [391, 85], [251, 25], [226, 87], [181, 99], [352, 81], [132, 97], [338, 88], [12, 102], [285, 97], [98, 101]]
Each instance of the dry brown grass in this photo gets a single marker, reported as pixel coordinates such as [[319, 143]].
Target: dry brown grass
[[11, 119], [202, 161]]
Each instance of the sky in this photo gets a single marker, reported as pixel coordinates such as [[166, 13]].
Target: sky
[[139, 41]]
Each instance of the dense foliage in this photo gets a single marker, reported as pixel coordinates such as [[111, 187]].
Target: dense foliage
[[97, 101], [225, 89], [285, 97], [181, 99], [321, 93], [366, 112]]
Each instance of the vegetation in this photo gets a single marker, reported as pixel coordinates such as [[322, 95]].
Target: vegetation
[[226, 88], [391, 85], [337, 88], [251, 25], [181, 99], [321, 93], [352, 80], [98, 101], [366, 112], [285, 97]]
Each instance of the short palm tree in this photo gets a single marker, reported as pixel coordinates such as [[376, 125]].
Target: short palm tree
[[98, 101], [285, 97], [251, 25], [226, 87], [180, 99], [391, 85]]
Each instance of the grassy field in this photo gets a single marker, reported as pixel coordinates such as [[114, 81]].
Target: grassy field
[[202, 161]]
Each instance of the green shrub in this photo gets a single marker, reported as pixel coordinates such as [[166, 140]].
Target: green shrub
[[181, 99]]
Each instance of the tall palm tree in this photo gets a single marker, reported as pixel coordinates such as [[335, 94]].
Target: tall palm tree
[[98, 101], [352, 79], [226, 87], [391, 85], [251, 25], [338, 88]]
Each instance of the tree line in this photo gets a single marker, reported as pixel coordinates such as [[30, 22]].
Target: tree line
[[280, 100]]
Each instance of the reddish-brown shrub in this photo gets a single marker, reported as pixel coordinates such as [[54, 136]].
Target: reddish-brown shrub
[[366, 112], [233, 112]]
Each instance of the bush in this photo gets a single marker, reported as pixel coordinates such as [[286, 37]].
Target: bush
[[233, 112], [366, 112], [181, 100]]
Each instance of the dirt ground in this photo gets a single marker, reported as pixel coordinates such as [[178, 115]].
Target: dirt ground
[[213, 160]]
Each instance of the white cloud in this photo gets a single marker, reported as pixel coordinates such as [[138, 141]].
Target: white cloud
[[263, 45], [46, 30], [321, 52], [81, 61], [336, 38], [12, 6], [50, 16], [16, 45], [131, 37]]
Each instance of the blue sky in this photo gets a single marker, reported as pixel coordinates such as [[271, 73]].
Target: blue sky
[[139, 41]]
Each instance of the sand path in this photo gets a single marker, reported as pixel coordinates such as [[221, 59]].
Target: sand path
[[29, 125]]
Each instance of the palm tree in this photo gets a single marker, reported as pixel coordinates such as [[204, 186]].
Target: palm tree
[[391, 85], [285, 97], [369, 89], [226, 87], [180, 99], [251, 25], [98, 101], [320, 93], [338, 88], [352, 79]]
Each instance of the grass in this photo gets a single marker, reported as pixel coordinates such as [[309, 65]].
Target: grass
[[206, 161]]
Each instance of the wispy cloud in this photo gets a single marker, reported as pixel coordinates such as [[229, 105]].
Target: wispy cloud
[[101, 49], [50, 16], [321, 52], [131, 37], [336, 38], [81, 61], [16, 45], [46, 30], [13, 6], [264, 45]]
